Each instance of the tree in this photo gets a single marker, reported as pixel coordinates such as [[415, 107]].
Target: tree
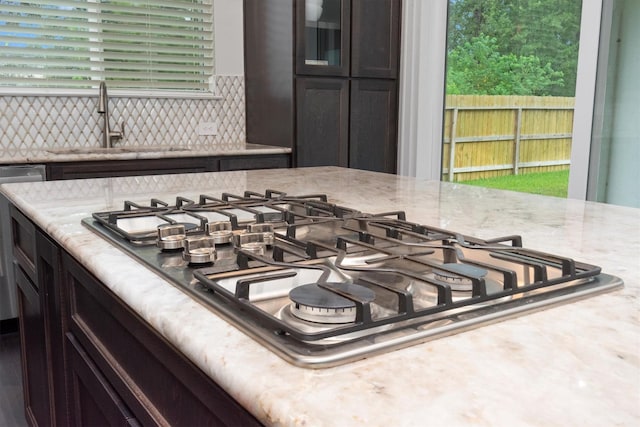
[[546, 29], [478, 68]]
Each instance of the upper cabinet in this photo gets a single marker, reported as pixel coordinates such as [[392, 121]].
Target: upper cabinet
[[375, 38], [357, 38], [323, 29]]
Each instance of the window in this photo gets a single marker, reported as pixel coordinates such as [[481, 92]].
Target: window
[[510, 85], [134, 45]]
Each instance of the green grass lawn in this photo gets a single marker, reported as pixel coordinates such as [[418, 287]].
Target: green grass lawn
[[547, 183]]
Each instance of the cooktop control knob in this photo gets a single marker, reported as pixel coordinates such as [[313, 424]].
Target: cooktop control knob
[[199, 250], [171, 236]]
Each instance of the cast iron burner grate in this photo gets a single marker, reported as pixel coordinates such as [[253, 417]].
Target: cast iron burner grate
[[332, 284]]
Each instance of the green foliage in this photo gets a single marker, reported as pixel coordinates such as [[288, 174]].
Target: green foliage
[[546, 29], [478, 68], [546, 183]]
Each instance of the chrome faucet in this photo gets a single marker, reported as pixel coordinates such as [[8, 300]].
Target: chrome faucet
[[108, 135]]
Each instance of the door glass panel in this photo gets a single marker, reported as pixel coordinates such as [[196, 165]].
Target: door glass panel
[[323, 32], [510, 85], [615, 149]]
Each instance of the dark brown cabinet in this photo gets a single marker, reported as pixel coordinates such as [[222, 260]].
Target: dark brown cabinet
[[41, 318], [35, 378], [348, 38], [95, 402], [323, 121], [323, 44], [375, 38], [114, 168], [374, 125], [88, 359], [334, 98]]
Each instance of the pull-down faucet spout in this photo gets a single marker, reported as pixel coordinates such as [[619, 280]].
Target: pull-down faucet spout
[[108, 136]]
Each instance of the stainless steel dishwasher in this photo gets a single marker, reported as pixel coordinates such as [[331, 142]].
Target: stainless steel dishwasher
[[8, 174]]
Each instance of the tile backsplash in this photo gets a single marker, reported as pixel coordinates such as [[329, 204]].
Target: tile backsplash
[[34, 123]]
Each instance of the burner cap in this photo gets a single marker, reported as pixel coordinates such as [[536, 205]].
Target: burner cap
[[455, 275], [316, 304]]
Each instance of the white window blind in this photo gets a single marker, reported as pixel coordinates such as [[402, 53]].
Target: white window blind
[[139, 44]]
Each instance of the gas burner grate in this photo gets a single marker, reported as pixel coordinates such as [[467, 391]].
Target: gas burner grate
[[519, 273], [388, 282], [138, 223]]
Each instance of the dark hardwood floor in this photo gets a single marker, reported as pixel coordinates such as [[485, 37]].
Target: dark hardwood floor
[[11, 400]]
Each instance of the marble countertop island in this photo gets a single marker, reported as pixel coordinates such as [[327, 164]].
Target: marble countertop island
[[573, 364]]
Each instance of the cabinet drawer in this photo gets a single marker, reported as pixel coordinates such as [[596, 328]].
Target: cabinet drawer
[[115, 168], [95, 401], [247, 163], [24, 243]]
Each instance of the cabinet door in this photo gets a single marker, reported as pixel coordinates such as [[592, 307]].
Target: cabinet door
[[323, 31], [95, 403], [373, 135], [375, 38], [41, 322], [322, 122], [48, 274], [32, 312], [35, 372]]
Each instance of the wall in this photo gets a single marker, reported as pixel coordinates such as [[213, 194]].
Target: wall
[[33, 123], [229, 37], [422, 72], [623, 135]]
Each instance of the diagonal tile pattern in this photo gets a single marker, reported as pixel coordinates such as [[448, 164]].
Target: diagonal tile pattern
[[35, 123]]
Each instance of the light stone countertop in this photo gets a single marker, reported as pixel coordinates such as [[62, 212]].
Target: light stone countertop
[[576, 364], [134, 152]]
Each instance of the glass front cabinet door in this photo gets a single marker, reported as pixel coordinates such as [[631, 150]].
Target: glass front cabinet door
[[322, 39]]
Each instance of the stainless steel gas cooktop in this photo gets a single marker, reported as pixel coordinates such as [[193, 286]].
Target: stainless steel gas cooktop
[[321, 284]]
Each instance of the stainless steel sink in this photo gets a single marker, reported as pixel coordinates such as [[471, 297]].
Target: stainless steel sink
[[116, 150]]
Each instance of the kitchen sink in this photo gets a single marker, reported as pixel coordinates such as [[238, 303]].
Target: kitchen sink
[[116, 150]]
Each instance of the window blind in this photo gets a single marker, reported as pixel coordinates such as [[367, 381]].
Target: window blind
[[140, 44]]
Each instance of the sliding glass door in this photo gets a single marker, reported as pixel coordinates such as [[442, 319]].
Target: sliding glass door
[[510, 85]]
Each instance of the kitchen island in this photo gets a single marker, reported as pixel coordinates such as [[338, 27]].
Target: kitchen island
[[573, 364]]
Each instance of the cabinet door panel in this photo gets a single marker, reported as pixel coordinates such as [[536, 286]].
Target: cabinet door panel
[[23, 235], [247, 163], [323, 37], [373, 139], [375, 38], [95, 402], [35, 373], [110, 168], [323, 122], [48, 266]]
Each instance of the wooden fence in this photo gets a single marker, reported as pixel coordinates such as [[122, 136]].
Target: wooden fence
[[488, 136]]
